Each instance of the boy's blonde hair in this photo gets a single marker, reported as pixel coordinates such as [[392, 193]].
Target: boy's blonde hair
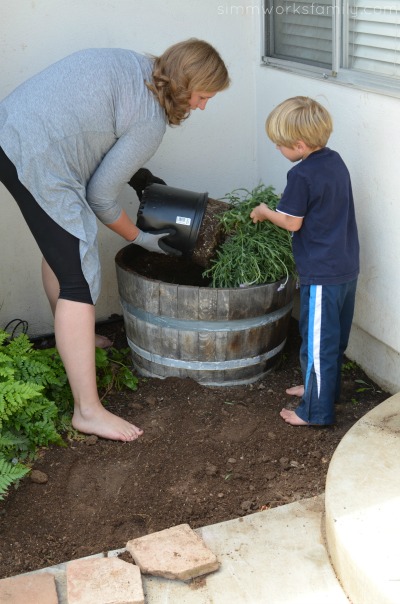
[[299, 119], [192, 65]]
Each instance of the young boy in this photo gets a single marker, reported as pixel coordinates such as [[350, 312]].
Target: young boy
[[317, 205]]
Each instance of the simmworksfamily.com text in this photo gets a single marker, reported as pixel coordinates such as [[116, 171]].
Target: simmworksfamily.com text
[[313, 8]]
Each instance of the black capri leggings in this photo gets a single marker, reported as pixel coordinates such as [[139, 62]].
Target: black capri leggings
[[59, 248]]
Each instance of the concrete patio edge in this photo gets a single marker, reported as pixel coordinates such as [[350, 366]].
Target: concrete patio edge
[[362, 503]]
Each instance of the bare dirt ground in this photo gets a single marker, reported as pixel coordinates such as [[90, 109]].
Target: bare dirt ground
[[207, 455]]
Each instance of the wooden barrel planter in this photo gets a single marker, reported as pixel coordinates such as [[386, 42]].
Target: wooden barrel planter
[[218, 337]]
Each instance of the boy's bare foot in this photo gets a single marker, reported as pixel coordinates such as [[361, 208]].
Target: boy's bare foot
[[296, 391], [105, 424], [291, 418], [102, 341]]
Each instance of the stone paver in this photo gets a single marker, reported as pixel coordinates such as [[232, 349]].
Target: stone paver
[[175, 553], [104, 581], [29, 589]]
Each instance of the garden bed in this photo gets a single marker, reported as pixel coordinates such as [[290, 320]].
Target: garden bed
[[207, 455]]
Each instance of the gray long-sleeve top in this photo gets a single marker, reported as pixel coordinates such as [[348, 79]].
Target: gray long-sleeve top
[[76, 133]]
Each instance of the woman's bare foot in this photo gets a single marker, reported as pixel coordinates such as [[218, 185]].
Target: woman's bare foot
[[291, 418], [104, 424], [102, 341], [296, 391]]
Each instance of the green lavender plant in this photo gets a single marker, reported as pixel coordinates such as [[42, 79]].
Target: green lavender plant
[[251, 253]]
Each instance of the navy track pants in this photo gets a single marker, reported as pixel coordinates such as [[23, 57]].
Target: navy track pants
[[326, 314]]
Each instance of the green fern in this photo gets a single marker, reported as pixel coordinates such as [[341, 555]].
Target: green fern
[[36, 401], [28, 412], [15, 396], [3, 337], [19, 346], [113, 370], [12, 443], [10, 473]]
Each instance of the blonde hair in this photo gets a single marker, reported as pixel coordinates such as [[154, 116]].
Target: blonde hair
[[183, 68], [299, 119]]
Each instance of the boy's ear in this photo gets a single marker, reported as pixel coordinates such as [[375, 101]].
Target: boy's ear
[[301, 146]]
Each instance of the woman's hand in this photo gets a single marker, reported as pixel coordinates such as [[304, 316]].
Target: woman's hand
[[152, 242]]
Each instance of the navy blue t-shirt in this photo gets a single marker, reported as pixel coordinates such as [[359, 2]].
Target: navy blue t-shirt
[[325, 248]]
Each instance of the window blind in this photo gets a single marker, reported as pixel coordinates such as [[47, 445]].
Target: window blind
[[374, 37], [300, 31]]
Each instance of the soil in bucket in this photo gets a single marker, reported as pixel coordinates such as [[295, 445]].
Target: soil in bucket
[[211, 234]]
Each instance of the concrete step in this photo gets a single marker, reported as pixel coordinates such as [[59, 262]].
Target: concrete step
[[363, 507]]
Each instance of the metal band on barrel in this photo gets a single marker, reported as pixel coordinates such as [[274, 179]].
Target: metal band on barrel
[[198, 325]]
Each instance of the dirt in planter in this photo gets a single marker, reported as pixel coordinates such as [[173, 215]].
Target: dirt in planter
[[211, 234], [169, 269], [207, 455]]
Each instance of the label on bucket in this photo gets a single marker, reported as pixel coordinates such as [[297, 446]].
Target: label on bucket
[[183, 220]]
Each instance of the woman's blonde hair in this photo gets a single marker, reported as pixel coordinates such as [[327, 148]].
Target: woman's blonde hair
[[299, 119], [183, 68]]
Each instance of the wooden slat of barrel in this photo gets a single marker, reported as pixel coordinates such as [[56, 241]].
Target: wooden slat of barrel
[[222, 311], [207, 345], [168, 303], [208, 303], [241, 306], [188, 302]]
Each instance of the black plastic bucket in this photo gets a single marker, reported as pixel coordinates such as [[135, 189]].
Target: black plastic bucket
[[165, 207]]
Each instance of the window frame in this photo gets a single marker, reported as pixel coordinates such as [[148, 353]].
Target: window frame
[[338, 73]]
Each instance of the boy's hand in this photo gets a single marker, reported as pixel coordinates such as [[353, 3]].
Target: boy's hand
[[285, 221], [259, 213]]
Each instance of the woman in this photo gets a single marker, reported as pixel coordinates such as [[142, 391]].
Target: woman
[[70, 138]]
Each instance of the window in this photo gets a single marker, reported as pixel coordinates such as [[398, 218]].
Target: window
[[353, 41]]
